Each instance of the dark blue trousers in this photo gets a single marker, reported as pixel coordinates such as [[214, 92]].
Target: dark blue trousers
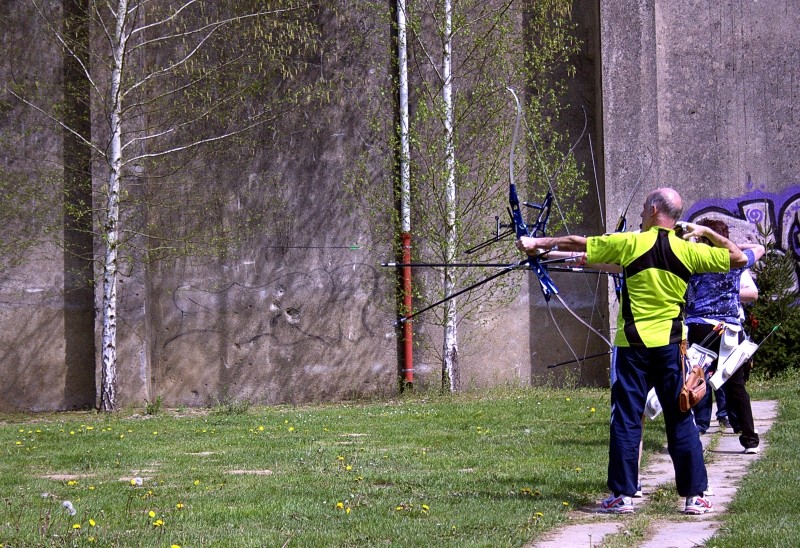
[[636, 369]]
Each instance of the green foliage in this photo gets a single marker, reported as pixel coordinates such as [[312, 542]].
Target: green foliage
[[776, 278], [199, 79], [495, 45], [153, 407]]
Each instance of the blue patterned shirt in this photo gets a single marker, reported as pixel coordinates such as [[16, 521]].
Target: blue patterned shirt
[[716, 295]]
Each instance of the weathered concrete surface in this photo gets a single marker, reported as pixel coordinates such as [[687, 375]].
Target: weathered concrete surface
[[726, 464], [706, 93], [700, 97]]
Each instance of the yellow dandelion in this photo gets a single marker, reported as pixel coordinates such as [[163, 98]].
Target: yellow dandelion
[[577, 468], [291, 429], [72, 432], [179, 506], [348, 467], [122, 436], [539, 515], [92, 522], [592, 409], [569, 399], [72, 482], [151, 514], [425, 508], [260, 428], [175, 546], [197, 482], [158, 523], [76, 525], [339, 457], [347, 510], [19, 443], [339, 505], [565, 503], [91, 488]]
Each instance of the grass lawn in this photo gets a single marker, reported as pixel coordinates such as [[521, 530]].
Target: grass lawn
[[493, 469]]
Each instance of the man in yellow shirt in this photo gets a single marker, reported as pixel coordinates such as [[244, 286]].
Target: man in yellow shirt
[[656, 266]]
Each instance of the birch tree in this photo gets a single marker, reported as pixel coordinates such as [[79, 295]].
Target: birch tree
[[167, 81], [462, 56]]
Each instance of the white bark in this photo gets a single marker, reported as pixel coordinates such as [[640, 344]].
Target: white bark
[[450, 345], [108, 389], [405, 149]]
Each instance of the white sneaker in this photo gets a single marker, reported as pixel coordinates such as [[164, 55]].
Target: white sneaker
[[750, 450], [638, 493], [616, 505], [697, 505], [709, 492]]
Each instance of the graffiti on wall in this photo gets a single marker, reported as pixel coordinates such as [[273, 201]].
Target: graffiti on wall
[[756, 212]]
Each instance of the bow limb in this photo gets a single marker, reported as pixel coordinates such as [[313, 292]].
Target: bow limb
[[551, 185], [539, 228], [520, 227]]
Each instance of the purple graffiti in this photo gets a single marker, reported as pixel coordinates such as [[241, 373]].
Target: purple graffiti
[[794, 237], [756, 216], [756, 213]]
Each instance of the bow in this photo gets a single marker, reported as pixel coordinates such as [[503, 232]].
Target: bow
[[539, 227], [519, 228]]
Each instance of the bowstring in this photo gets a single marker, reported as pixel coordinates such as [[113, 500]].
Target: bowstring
[[550, 183]]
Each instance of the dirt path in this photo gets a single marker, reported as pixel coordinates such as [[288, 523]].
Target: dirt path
[[727, 465]]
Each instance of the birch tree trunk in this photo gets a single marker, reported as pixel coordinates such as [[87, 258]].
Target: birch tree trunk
[[450, 344], [108, 390]]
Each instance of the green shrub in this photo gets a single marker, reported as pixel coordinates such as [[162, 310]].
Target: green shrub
[[777, 304], [154, 407]]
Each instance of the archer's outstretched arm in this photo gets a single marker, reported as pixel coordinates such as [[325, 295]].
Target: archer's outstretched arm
[[537, 246], [579, 258]]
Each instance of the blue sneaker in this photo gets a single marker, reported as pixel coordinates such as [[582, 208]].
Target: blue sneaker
[[616, 505], [697, 505]]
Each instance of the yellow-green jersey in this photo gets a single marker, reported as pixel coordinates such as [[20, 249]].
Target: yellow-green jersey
[[656, 267]]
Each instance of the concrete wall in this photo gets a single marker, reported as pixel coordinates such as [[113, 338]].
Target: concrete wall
[[699, 96], [705, 93], [291, 315]]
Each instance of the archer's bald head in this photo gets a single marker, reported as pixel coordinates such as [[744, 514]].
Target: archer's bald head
[[667, 201]]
